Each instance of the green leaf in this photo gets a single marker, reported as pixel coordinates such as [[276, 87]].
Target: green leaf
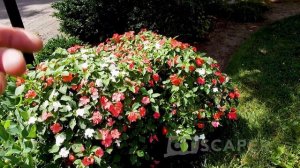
[[66, 98], [72, 123], [63, 89], [32, 132], [155, 95], [3, 134], [19, 90], [184, 146], [140, 153], [54, 149], [7, 124], [76, 147], [136, 106]]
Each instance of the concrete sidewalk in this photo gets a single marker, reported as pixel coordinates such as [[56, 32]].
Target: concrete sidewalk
[[36, 15]]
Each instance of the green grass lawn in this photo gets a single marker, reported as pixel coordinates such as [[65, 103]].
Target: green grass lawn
[[266, 69]]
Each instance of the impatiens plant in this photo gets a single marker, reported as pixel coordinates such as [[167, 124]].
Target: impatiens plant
[[107, 105]]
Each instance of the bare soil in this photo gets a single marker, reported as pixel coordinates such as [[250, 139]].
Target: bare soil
[[227, 36]]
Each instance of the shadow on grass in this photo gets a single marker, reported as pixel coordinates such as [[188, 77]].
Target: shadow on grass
[[267, 70]]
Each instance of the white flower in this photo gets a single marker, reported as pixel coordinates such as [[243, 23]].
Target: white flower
[[64, 152], [157, 46], [178, 132], [118, 142], [84, 66], [32, 120], [202, 137], [59, 139], [84, 56], [215, 89], [99, 83], [80, 112], [95, 96], [68, 108], [89, 133], [56, 105], [115, 73], [201, 71]]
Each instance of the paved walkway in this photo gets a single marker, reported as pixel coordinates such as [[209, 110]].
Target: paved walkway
[[36, 16]]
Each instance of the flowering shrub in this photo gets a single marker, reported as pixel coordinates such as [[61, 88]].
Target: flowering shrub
[[97, 106]]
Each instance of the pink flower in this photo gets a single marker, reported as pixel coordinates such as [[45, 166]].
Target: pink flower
[[145, 100], [97, 118], [115, 134], [84, 101], [152, 138], [110, 122], [118, 96], [46, 115], [215, 124], [104, 133]]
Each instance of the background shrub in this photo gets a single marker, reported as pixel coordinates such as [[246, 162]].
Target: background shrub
[[94, 20], [60, 41]]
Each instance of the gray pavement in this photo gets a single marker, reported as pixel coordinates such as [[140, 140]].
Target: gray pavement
[[37, 17]]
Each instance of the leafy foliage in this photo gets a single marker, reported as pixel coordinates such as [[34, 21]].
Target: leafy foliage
[[87, 106], [58, 42]]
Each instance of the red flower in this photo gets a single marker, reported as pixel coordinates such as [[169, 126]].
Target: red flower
[[132, 116], [151, 83], [86, 161], [116, 37], [175, 80], [231, 95], [164, 131], [155, 77], [233, 110], [49, 81], [222, 79], [199, 62], [31, 94], [96, 118], [200, 125], [74, 49], [131, 65], [136, 89], [174, 111], [156, 115], [175, 43], [118, 96], [68, 78], [99, 152], [214, 81], [56, 128], [115, 134], [20, 81], [72, 158], [107, 142], [192, 68], [145, 100], [232, 116], [201, 81], [142, 111], [105, 103]]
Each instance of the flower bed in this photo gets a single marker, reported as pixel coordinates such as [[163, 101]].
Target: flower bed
[[99, 105]]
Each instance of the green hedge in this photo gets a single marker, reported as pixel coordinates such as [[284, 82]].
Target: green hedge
[[95, 20]]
